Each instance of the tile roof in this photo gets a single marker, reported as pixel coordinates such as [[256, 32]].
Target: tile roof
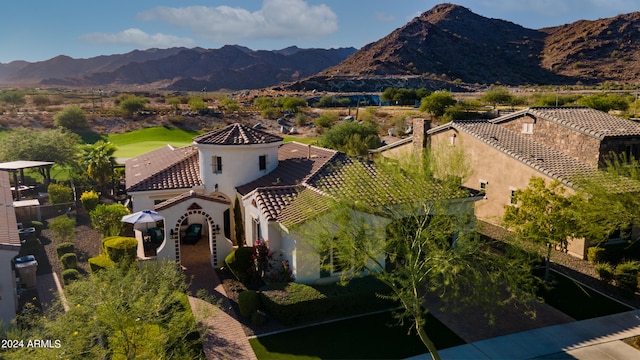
[[595, 123], [553, 163], [164, 168], [272, 200], [236, 134], [296, 163], [190, 195], [307, 203], [8, 223]]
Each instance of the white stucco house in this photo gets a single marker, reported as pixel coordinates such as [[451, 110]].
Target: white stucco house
[[272, 182]]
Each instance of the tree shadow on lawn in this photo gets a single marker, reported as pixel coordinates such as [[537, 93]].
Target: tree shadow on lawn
[[375, 336]]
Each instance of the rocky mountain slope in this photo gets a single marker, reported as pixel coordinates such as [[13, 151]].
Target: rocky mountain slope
[[230, 67], [451, 44]]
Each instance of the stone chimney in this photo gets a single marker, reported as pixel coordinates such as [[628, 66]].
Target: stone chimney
[[420, 138]]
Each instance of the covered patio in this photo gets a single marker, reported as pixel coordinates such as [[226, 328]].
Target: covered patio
[[19, 184]]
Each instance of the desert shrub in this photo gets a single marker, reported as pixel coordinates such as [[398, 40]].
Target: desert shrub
[[64, 248], [72, 117], [595, 254], [70, 275], [326, 120], [90, 199], [605, 271], [69, 261], [120, 248], [238, 262], [107, 219], [63, 228], [301, 119], [626, 275], [249, 302], [59, 194], [100, 262]]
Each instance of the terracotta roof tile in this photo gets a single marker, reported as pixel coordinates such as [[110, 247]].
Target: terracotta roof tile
[[553, 163], [189, 195], [236, 134], [296, 163], [164, 168], [271, 200], [595, 123]]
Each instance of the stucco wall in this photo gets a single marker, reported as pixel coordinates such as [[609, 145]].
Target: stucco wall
[[582, 147], [240, 165], [501, 172]]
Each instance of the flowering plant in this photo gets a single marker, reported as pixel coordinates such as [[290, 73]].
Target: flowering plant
[[266, 267]]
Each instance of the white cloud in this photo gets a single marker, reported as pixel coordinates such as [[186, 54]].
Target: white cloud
[[138, 39], [277, 19]]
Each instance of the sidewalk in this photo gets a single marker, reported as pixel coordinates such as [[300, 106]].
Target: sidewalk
[[588, 339]]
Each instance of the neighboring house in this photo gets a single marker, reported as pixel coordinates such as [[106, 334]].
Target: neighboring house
[[9, 248], [554, 143], [276, 185]]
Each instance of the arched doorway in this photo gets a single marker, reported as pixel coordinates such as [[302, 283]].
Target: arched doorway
[[204, 250]]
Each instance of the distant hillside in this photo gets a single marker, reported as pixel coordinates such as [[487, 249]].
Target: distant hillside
[[230, 67], [451, 44]]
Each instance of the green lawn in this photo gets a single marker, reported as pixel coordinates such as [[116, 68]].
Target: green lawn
[[141, 141], [577, 301], [368, 337]]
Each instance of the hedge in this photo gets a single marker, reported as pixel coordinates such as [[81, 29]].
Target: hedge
[[294, 303], [626, 275], [64, 248], [100, 262], [238, 262], [249, 303], [120, 248], [69, 275], [69, 261]]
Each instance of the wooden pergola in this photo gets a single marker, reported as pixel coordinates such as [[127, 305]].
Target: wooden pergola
[[15, 167]]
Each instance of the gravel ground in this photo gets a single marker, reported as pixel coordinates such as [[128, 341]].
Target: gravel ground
[[87, 243]]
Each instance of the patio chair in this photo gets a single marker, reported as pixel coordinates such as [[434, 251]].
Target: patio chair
[[156, 236], [193, 235]]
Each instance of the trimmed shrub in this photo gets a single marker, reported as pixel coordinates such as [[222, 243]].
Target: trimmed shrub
[[605, 271], [69, 261], [69, 275], [120, 248], [100, 262], [258, 318], [63, 228], [238, 262], [59, 194], [595, 254], [38, 226], [90, 200], [626, 275], [249, 302], [64, 248]]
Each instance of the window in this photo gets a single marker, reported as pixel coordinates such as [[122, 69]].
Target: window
[[216, 164], [513, 199], [257, 231], [527, 128], [330, 264], [483, 186], [262, 162]]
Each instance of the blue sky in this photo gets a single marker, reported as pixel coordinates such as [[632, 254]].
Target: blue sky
[[38, 30]]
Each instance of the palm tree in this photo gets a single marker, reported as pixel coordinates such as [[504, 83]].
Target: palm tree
[[100, 163]]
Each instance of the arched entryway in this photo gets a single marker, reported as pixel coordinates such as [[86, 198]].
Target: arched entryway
[[202, 250]]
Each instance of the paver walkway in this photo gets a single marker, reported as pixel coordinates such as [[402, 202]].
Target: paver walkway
[[225, 338]]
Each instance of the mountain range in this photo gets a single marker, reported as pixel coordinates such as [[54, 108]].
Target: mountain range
[[447, 46]]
